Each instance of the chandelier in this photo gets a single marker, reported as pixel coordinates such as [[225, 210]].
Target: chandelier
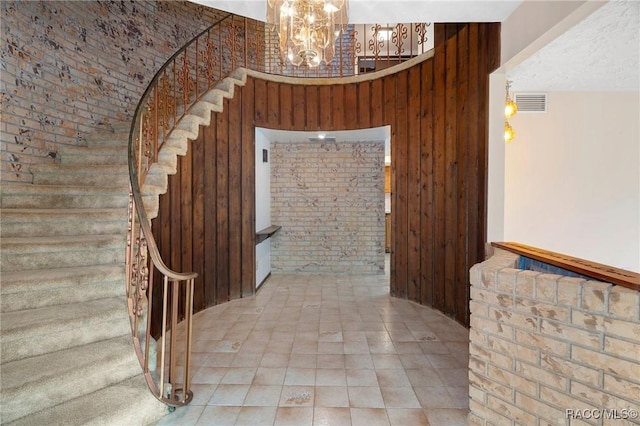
[[307, 28]]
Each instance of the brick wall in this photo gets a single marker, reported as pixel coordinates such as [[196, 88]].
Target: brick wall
[[547, 349], [71, 67], [329, 200]]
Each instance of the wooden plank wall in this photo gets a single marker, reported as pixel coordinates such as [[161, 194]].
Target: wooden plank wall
[[438, 116]]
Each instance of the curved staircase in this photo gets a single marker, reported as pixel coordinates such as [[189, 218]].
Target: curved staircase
[[67, 356], [66, 350]]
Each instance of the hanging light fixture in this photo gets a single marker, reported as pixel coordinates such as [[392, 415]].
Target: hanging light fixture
[[307, 28], [509, 133], [510, 109]]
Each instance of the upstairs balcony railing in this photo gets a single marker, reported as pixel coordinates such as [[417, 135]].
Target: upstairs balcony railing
[[233, 42]]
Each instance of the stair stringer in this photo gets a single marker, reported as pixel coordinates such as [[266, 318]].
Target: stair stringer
[[177, 143]]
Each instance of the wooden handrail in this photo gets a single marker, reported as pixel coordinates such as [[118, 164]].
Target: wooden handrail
[[587, 268]]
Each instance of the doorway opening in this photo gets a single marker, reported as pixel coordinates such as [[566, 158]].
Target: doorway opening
[[326, 190]]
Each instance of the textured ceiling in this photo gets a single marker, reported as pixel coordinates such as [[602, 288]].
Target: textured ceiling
[[377, 11], [601, 53]]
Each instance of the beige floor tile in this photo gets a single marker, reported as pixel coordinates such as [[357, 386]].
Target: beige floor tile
[[399, 397], [297, 396], [208, 375], [392, 377], [256, 416], [369, 417], [331, 377], [239, 376], [434, 397], [263, 395], [331, 361], [365, 397], [385, 361], [362, 377], [332, 416], [326, 350], [229, 395], [331, 396], [218, 416], [357, 361], [447, 417], [300, 376], [269, 376], [303, 361], [294, 416]]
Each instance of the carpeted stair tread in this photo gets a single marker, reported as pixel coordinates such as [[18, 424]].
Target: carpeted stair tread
[[59, 242], [64, 196], [89, 175], [113, 155], [37, 331], [127, 403], [59, 222], [32, 280], [38, 381], [60, 251], [50, 287]]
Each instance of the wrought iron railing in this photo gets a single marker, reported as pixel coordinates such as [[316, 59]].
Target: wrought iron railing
[[200, 65]]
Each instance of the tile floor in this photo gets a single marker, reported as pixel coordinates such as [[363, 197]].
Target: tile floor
[[326, 350]]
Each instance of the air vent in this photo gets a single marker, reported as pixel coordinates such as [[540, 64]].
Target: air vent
[[325, 139], [531, 102]]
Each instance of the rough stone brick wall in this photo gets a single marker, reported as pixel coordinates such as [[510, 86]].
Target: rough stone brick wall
[[547, 349], [329, 200], [70, 67]]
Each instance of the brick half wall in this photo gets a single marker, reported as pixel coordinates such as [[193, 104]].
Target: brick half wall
[[329, 200], [548, 349]]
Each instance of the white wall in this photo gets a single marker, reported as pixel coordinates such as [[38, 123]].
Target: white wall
[[572, 178], [263, 206]]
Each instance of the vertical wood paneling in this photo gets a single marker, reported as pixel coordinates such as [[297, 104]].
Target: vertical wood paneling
[[396, 113], [222, 201], [351, 106], [286, 112], [363, 103], [438, 116], [248, 224], [273, 105], [186, 222], [235, 199], [312, 108], [211, 253], [414, 176], [473, 102], [196, 153], [337, 106], [450, 202], [461, 296], [439, 143], [376, 104], [386, 97], [299, 108], [427, 216], [326, 109]]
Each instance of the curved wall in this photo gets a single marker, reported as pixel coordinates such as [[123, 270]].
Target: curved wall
[[437, 110], [69, 68]]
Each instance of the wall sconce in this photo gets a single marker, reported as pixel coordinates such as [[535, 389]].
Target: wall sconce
[[510, 109]]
